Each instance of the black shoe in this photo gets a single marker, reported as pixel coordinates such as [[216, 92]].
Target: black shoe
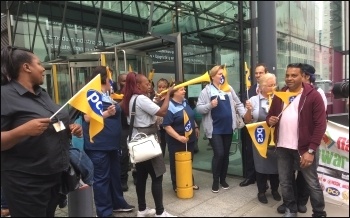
[[125, 187], [246, 182], [215, 187], [262, 198], [281, 209], [224, 185], [302, 208], [62, 201], [276, 195]]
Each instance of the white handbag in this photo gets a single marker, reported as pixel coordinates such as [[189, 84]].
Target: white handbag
[[143, 147]]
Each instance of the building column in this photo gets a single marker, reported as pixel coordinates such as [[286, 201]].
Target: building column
[[267, 34]]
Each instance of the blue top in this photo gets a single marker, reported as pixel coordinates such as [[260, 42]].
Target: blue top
[[175, 119], [221, 114], [110, 136]]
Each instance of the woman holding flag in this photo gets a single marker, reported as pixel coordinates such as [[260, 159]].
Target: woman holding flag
[[257, 109], [182, 131], [34, 153], [105, 153], [216, 103]]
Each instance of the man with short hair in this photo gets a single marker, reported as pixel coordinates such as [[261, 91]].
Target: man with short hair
[[247, 149], [299, 128]]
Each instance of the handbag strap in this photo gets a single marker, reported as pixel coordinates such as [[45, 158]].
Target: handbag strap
[[132, 118]]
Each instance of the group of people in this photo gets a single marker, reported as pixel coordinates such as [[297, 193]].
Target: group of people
[[34, 153], [297, 137]]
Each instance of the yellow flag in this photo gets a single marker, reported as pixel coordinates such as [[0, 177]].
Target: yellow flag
[[286, 97], [109, 76], [259, 132], [224, 86], [130, 68], [89, 101], [187, 125], [150, 75], [248, 82]]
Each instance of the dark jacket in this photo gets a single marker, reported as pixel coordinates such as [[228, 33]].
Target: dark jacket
[[312, 122]]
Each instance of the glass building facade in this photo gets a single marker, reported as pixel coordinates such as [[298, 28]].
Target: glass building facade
[[212, 32]]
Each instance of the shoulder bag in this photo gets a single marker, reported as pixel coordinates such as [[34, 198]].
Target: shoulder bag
[[142, 147]]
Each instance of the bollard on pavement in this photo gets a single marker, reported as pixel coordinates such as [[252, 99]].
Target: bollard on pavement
[[184, 182], [80, 203]]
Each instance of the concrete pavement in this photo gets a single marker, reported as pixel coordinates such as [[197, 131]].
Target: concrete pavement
[[234, 202]]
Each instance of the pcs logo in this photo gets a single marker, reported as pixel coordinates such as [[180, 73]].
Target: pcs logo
[[188, 126], [332, 191], [95, 101], [222, 79], [260, 134], [291, 99]]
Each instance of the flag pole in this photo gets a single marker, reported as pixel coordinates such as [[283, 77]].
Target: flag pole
[[186, 146], [58, 110], [72, 97]]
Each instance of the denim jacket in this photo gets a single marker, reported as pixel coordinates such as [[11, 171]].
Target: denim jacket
[[82, 163]]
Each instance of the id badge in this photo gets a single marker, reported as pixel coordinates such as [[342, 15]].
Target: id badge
[[59, 126]]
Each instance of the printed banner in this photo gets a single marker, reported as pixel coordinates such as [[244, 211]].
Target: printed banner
[[333, 169]]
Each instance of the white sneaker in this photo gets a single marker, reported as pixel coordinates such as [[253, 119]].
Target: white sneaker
[[147, 212], [165, 214]]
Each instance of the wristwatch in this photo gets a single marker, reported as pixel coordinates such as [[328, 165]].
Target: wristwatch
[[311, 151]]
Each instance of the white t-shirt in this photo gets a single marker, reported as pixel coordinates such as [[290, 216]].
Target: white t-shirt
[[145, 111], [288, 130]]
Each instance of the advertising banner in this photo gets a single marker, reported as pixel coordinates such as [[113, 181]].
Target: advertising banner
[[333, 169]]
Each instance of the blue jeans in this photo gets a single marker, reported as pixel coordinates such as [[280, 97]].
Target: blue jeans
[[288, 160], [221, 145], [83, 164]]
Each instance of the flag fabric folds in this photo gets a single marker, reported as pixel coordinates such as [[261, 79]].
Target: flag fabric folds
[[187, 125], [259, 132], [89, 101], [286, 97], [224, 86], [150, 75], [109, 76], [248, 82], [130, 68]]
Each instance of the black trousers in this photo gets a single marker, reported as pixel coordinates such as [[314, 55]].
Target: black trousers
[[247, 155], [221, 144], [261, 181], [30, 195], [162, 143], [143, 170], [124, 158]]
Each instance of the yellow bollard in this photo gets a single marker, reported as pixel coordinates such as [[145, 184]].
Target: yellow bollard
[[183, 166]]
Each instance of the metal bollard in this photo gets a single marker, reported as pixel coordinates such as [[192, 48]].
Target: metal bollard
[[183, 166], [80, 203]]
